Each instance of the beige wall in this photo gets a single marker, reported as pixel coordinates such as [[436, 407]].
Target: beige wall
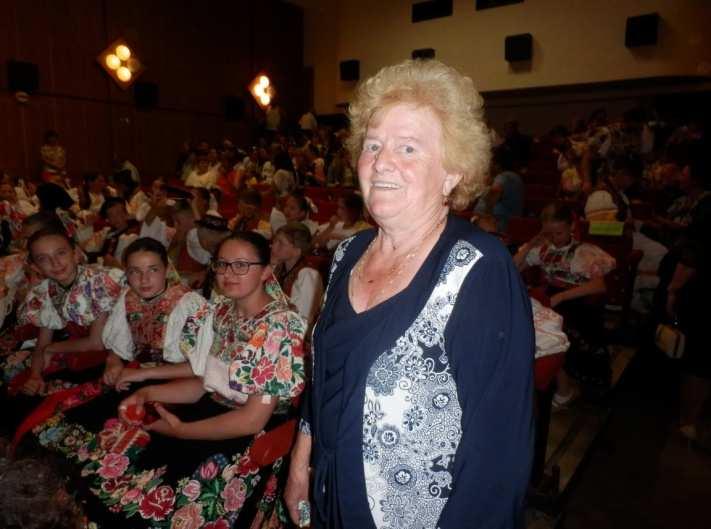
[[575, 41]]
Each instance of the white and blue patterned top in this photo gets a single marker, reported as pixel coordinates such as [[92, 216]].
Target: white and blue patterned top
[[421, 410]]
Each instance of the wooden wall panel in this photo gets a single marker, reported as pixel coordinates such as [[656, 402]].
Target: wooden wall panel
[[197, 53]]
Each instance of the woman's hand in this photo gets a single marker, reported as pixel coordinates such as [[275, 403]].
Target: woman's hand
[[297, 485], [34, 385], [136, 404], [128, 375], [168, 424], [297, 490]]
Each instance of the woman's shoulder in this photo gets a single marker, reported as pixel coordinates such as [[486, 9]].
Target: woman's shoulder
[[489, 246]]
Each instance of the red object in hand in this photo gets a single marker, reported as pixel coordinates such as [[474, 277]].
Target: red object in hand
[[150, 415], [134, 413]]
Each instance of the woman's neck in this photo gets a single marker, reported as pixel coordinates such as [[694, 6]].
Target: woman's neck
[[69, 283], [395, 240], [253, 304]]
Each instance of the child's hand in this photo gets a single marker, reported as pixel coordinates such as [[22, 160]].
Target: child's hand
[[128, 375], [112, 373], [34, 385]]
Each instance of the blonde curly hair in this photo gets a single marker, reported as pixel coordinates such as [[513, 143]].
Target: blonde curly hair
[[454, 100]]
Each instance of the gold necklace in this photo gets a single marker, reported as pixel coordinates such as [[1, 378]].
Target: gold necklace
[[396, 269]]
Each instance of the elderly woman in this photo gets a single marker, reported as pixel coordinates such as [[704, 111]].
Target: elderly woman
[[420, 413]]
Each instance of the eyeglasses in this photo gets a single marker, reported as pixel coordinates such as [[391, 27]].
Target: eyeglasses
[[239, 267]]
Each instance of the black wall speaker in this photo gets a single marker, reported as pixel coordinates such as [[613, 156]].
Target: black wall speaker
[[234, 108], [431, 9], [642, 30], [145, 95], [423, 53], [350, 70], [22, 76], [518, 47]]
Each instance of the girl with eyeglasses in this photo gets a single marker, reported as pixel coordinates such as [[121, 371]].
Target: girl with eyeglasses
[[197, 464]]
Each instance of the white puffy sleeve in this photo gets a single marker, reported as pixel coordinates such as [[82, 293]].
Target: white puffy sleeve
[[196, 337], [195, 249], [188, 305], [38, 310], [306, 293], [116, 335]]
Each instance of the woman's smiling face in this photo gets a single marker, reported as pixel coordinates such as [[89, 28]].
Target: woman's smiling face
[[400, 167]]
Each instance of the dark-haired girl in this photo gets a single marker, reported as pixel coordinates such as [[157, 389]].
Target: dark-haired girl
[[194, 466], [74, 298], [145, 324]]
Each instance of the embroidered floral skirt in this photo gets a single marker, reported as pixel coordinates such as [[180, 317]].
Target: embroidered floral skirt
[[132, 478]]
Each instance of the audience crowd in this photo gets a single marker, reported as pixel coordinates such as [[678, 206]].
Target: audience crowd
[[180, 312]]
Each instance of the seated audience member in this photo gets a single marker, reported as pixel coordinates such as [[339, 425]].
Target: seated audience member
[[109, 243], [693, 185], [340, 170], [604, 201], [202, 175], [347, 221], [129, 191], [54, 158], [95, 191], [249, 214], [301, 283], [33, 496], [504, 199], [246, 351], [183, 220], [569, 161], [73, 298], [24, 189], [16, 276], [145, 324], [12, 209], [55, 200], [627, 177], [201, 242], [296, 208], [573, 275], [283, 182]]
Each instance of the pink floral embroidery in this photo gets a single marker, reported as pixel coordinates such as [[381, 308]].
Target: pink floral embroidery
[[192, 490], [234, 495], [157, 503], [209, 470], [132, 496], [113, 465], [283, 369], [188, 517], [263, 371]]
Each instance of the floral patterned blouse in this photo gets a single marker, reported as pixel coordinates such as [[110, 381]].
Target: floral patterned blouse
[[238, 357], [93, 293], [572, 264], [149, 330]]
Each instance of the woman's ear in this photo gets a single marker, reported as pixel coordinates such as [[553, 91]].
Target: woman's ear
[[450, 182], [267, 272]]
